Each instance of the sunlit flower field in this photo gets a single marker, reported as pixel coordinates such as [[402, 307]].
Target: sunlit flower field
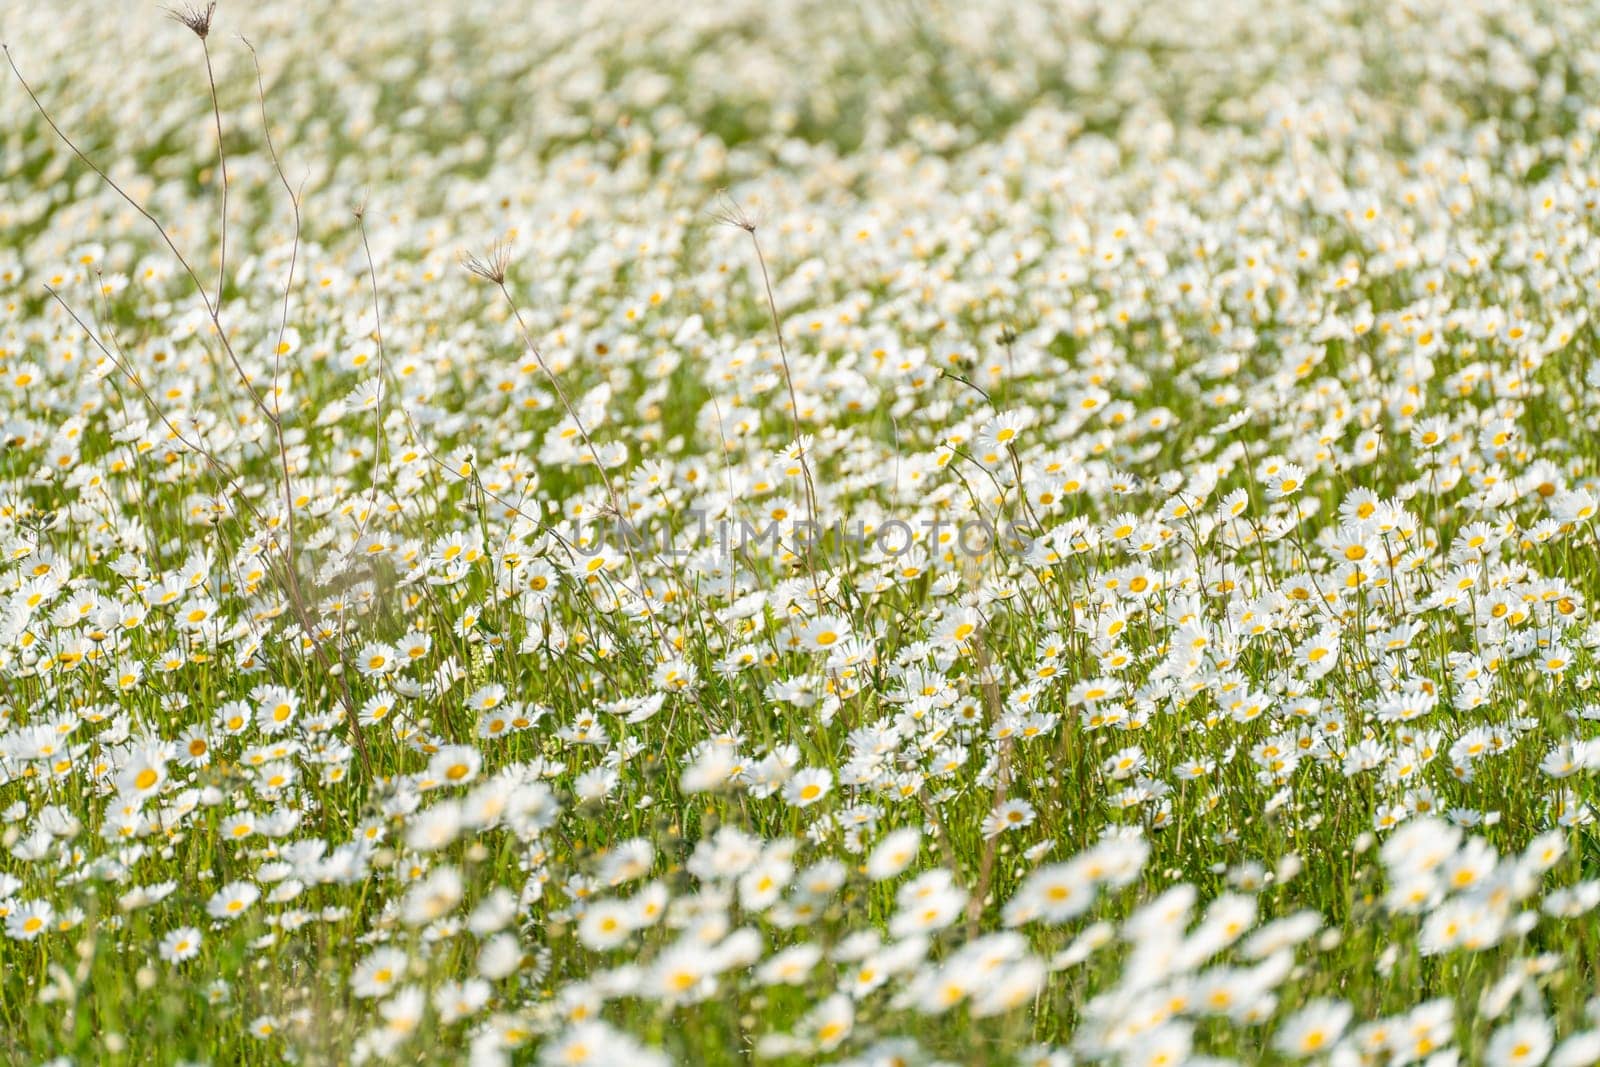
[[792, 531]]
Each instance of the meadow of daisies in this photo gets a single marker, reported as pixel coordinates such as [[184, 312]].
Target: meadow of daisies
[[790, 531]]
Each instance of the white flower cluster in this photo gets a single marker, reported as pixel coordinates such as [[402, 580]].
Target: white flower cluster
[[1167, 438]]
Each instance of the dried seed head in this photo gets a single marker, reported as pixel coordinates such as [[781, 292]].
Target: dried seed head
[[196, 19], [492, 265], [731, 214]]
